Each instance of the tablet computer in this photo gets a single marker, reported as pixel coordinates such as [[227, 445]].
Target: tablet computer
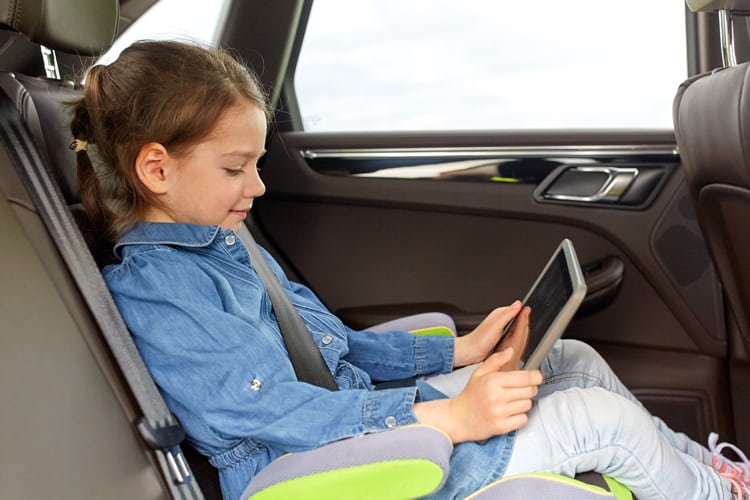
[[553, 298]]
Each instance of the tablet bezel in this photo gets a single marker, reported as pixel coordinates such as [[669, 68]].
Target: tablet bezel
[[566, 312]]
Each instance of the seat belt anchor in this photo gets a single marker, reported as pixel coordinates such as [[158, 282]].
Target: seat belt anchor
[[166, 438]]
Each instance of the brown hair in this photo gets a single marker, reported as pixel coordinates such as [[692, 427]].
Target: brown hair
[[168, 92]]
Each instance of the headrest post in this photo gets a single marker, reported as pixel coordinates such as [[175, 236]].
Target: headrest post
[[49, 58], [726, 33]]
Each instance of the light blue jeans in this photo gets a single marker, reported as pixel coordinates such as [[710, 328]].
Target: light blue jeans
[[585, 419]]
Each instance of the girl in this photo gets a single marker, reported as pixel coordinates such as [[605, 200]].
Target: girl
[[168, 138]]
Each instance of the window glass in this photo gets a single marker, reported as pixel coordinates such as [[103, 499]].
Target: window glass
[[187, 20], [484, 64]]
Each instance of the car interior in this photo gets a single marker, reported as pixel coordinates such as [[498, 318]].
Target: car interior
[[656, 217]]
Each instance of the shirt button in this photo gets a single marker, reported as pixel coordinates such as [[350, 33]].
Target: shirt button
[[230, 239], [255, 385], [327, 339], [390, 421]]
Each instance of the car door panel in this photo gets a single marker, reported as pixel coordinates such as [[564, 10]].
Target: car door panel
[[376, 247]]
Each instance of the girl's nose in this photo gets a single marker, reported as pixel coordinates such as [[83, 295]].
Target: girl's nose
[[254, 186]]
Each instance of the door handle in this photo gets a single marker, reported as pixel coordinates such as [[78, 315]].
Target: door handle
[[592, 184], [603, 281]]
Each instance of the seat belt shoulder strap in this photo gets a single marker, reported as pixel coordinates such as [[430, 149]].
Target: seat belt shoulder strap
[[308, 362]]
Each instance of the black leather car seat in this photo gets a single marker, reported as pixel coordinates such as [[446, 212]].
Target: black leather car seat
[[712, 126]]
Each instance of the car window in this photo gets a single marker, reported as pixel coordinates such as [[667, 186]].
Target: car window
[[187, 20], [483, 64]]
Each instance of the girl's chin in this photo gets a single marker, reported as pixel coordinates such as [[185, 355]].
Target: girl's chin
[[235, 226], [234, 221]]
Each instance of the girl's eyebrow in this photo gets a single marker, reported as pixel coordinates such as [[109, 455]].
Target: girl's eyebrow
[[243, 154]]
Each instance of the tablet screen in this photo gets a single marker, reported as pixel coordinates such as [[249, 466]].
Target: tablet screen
[[547, 299], [553, 299]]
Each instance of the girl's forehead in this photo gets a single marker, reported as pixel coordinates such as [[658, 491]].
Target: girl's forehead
[[243, 111], [240, 122]]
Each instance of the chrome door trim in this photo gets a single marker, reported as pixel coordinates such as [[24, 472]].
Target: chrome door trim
[[494, 152]]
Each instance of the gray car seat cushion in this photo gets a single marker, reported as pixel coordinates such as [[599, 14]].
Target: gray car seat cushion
[[405, 443]]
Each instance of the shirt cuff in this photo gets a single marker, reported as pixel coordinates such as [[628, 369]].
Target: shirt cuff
[[434, 354], [389, 408]]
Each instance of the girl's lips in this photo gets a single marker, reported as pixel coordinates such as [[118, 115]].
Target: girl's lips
[[239, 213]]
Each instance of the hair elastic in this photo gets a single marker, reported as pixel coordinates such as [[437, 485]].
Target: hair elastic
[[79, 145]]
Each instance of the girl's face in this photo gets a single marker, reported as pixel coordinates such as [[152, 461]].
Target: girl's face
[[216, 182]]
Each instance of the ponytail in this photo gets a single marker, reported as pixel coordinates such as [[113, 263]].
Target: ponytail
[[88, 182]]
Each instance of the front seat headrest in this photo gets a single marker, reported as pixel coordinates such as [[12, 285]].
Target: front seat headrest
[[85, 27]]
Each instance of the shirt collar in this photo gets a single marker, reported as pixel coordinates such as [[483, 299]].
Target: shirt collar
[[169, 233]]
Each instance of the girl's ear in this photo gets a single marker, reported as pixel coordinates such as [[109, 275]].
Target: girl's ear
[[152, 165]]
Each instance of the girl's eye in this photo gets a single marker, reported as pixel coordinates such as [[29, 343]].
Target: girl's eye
[[234, 171]]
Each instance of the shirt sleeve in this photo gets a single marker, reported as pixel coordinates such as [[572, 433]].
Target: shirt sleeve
[[230, 371], [391, 355], [395, 354]]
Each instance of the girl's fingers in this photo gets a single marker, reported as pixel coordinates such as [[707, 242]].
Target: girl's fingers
[[493, 363], [510, 312], [516, 378]]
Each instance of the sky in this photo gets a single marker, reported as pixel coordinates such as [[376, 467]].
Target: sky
[[442, 64]]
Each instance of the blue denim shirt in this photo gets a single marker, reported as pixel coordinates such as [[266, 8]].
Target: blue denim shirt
[[203, 322]]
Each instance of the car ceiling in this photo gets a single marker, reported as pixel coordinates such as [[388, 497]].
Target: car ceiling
[[133, 9]]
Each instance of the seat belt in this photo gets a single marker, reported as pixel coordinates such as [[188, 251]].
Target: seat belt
[[158, 427], [306, 358]]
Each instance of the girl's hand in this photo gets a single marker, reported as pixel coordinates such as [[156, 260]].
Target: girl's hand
[[477, 345], [517, 338], [493, 402]]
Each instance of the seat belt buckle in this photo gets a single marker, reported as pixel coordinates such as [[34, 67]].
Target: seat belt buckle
[[166, 437]]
